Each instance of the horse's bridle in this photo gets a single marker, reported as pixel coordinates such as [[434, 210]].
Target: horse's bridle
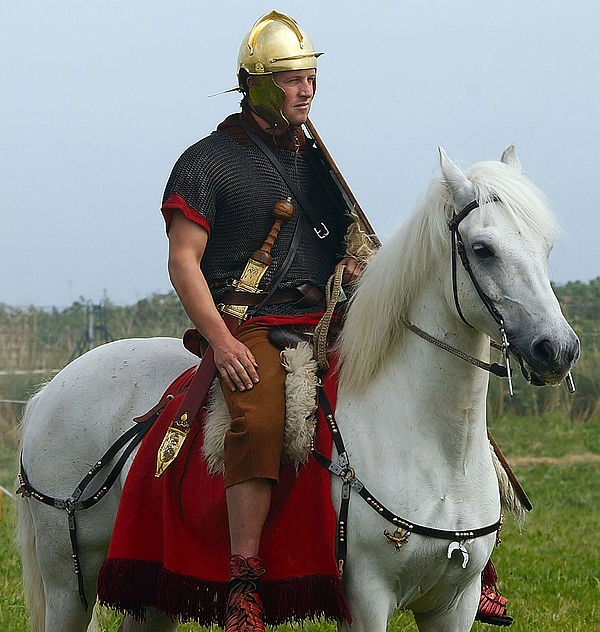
[[458, 246]]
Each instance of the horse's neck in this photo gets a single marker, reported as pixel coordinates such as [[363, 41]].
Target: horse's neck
[[425, 400]]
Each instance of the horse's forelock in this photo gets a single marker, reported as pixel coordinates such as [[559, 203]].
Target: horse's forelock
[[526, 203]]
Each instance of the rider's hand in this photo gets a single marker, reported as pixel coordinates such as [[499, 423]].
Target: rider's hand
[[353, 269], [236, 364]]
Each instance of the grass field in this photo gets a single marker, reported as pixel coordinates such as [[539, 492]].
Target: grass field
[[550, 572]]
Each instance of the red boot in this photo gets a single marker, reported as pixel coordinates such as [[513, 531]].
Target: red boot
[[492, 605], [244, 607]]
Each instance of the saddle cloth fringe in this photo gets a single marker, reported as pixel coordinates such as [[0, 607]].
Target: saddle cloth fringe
[[300, 412]]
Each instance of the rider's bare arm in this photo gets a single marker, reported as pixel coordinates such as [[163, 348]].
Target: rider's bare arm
[[187, 242]]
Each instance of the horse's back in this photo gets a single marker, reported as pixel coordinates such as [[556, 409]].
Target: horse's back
[[74, 418]]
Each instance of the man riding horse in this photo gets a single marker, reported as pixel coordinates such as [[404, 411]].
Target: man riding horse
[[218, 205]]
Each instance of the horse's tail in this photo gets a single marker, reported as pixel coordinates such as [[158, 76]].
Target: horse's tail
[[33, 585]]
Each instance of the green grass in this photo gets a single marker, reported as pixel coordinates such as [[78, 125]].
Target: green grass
[[548, 435], [550, 572]]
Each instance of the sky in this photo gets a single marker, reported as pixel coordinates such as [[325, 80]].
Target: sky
[[99, 98]]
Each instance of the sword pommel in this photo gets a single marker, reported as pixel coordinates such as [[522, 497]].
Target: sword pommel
[[283, 210]]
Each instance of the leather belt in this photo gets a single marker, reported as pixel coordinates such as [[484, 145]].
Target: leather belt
[[304, 295]]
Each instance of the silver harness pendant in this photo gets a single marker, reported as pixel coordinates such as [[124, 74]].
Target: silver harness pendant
[[454, 546]]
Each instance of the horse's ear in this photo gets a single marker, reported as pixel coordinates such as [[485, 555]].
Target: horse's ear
[[459, 185], [510, 158]]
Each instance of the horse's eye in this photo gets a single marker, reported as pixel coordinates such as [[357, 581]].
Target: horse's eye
[[482, 250]]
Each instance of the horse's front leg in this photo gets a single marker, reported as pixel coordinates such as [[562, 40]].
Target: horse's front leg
[[458, 619], [370, 598]]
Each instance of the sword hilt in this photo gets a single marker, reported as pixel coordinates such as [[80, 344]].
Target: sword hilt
[[283, 211]]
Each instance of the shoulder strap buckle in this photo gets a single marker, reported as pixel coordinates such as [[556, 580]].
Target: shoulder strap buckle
[[321, 232]]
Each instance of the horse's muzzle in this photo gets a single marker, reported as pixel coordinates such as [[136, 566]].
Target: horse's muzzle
[[550, 359]]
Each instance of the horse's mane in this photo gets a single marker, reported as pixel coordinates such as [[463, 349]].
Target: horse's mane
[[394, 275]]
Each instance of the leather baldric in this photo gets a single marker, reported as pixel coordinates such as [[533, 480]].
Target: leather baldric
[[319, 227]]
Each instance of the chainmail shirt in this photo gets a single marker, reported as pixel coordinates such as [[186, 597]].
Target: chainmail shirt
[[234, 187]]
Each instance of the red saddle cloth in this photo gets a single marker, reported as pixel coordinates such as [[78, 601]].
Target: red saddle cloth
[[170, 545]]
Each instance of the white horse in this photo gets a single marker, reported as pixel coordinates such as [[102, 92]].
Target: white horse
[[412, 415]]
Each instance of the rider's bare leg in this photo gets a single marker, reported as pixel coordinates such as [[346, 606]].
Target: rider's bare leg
[[247, 508]]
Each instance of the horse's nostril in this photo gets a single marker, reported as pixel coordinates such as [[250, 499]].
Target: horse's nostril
[[544, 351], [572, 351]]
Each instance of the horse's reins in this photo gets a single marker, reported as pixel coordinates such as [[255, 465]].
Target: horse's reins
[[494, 367]]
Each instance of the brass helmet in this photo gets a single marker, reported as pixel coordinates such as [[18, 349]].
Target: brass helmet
[[275, 43]]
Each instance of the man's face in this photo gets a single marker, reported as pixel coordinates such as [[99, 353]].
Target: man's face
[[299, 88]]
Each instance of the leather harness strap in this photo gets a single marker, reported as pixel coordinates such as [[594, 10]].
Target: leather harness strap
[[194, 397], [303, 206], [129, 440], [320, 229], [350, 481], [494, 367], [459, 246], [304, 295]]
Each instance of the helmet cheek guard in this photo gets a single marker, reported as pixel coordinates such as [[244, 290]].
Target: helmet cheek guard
[[267, 99]]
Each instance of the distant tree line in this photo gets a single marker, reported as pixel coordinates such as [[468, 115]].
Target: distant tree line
[[47, 339]]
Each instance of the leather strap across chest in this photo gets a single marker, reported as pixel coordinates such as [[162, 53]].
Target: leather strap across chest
[[318, 226], [350, 481]]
